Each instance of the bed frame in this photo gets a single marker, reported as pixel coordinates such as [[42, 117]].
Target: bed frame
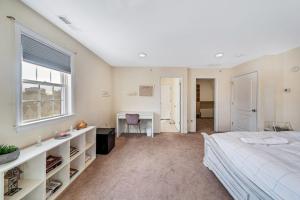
[[239, 186]]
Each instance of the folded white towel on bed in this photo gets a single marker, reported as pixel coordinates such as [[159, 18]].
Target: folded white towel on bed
[[272, 140]]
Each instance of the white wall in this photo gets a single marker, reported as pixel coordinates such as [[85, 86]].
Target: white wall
[[222, 96], [274, 74], [93, 76], [206, 89], [273, 103], [291, 101], [126, 81]]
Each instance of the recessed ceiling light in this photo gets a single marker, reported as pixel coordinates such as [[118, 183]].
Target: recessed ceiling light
[[142, 55], [219, 55]]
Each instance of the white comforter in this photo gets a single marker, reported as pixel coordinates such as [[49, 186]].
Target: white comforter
[[274, 168]]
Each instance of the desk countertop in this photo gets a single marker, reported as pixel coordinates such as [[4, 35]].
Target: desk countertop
[[135, 112]]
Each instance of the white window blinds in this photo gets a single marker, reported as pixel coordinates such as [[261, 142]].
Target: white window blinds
[[38, 53]]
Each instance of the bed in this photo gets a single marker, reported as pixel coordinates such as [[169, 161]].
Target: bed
[[255, 171]]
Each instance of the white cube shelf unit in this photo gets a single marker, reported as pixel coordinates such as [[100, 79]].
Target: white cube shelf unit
[[32, 162]]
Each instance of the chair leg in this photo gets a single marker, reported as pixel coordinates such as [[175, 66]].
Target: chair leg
[[140, 128], [127, 128]]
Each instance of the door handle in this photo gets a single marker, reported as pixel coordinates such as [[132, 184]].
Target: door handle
[[253, 110]]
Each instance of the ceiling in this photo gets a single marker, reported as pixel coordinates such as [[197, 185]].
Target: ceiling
[[177, 33]]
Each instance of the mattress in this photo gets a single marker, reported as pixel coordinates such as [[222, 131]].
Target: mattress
[[273, 168]]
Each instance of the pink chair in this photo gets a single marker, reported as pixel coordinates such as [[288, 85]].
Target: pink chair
[[133, 120]]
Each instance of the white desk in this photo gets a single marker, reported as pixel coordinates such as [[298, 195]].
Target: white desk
[[143, 116]]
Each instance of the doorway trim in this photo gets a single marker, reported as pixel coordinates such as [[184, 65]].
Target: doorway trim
[[181, 100], [194, 103]]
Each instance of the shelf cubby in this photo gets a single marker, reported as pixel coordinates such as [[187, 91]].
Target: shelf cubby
[[90, 138], [37, 193], [31, 177], [92, 153], [56, 170], [79, 164], [79, 143], [28, 189], [90, 147], [62, 176], [63, 151]]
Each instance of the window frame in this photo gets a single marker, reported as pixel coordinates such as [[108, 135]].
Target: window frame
[[64, 106], [69, 100]]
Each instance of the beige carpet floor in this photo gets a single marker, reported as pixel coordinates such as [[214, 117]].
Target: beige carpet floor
[[167, 167], [205, 125]]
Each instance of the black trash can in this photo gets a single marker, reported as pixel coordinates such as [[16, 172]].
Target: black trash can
[[105, 140]]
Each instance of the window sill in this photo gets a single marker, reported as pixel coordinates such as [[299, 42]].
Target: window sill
[[42, 122]]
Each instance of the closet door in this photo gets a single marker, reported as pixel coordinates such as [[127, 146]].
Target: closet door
[[166, 104], [244, 102]]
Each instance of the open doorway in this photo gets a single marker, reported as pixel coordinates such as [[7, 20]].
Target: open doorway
[[170, 105], [205, 105]]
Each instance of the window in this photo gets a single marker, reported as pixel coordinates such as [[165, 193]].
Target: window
[[45, 86], [43, 92]]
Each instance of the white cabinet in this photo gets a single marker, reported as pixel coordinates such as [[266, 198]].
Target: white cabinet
[[32, 162]]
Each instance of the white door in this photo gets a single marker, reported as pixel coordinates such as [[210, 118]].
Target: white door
[[244, 103], [177, 104], [166, 105]]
